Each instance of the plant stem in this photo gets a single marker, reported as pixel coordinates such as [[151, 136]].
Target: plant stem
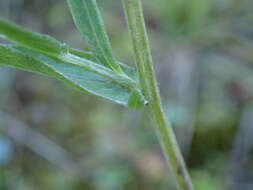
[[134, 15]]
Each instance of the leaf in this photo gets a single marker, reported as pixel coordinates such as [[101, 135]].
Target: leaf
[[89, 22], [74, 75], [45, 55], [48, 45], [135, 101], [129, 71], [44, 43]]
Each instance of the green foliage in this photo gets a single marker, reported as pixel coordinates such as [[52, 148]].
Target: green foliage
[[43, 43], [74, 75], [89, 22], [96, 72]]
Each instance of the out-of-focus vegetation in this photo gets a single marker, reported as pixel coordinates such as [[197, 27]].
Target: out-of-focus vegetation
[[55, 138]]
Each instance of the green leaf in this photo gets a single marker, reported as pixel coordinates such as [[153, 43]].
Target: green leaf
[[43, 54], [89, 22], [135, 101], [46, 44], [129, 71], [43, 43], [74, 75]]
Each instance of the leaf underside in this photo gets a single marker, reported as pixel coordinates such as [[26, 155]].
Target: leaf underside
[[73, 75]]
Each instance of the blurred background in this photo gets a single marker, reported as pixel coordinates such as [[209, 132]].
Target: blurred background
[[54, 138]]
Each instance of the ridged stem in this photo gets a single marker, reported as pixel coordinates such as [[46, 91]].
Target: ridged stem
[[135, 19]]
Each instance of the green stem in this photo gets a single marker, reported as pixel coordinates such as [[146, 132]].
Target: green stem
[[148, 83]]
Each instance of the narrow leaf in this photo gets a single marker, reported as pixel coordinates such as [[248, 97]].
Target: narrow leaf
[[89, 22], [74, 75], [38, 52], [129, 71], [41, 42], [47, 44]]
